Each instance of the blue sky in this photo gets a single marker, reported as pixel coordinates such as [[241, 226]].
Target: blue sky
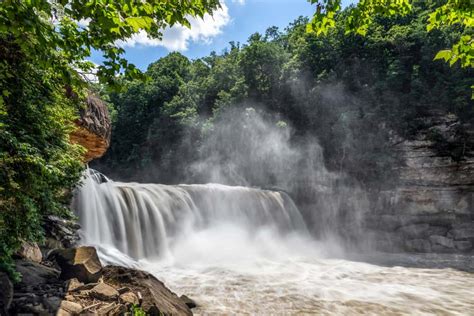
[[236, 21]]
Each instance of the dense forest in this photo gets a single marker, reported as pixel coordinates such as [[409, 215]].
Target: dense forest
[[351, 93]]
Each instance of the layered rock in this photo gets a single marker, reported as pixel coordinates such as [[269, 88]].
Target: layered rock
[[431, 209], [93, 128]]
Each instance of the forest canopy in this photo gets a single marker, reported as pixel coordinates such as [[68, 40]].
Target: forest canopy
[[332, 86]]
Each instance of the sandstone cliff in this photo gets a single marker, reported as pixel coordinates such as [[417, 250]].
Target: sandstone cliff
[[94, 128]]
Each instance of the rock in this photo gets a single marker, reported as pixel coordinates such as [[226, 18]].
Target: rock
[[30, 251], [129, 298], [81, 263], [60, 233], [153, 310], [35, 274], [6, 293], [93, 128], [443, 241], [463, 231], [413, 231], [463, 245], [107, 310], [71, 307], [155, 296], [189, 302], [52, 303], [73, 284], [85, 287], [418, 245], [123, 290], [104, 292]]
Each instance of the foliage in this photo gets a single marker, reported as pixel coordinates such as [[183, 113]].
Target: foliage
[[442, 14], [350, 92], [44, 45]]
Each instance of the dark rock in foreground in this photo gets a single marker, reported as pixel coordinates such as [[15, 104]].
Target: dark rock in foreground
[[82, 286], [155, 295]]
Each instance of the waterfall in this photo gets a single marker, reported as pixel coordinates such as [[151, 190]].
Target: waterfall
[[145, 220]]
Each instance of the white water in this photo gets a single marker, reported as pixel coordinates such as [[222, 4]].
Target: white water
[[243, 250]]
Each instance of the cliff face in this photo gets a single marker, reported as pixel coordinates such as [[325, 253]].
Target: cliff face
[[93, 128], [432, 207]]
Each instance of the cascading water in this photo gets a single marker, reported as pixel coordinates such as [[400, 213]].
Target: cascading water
[[245, 250]]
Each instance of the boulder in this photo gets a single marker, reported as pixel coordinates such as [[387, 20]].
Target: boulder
[[81, 263], [69, 308], [30, 251], [104, 292], [33, 274], [129, 298], [156, 297], [6, 293]]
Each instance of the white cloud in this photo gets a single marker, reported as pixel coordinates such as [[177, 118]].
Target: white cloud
[[178, 37], [242, 2]]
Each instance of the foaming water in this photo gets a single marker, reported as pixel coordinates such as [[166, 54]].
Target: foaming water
[[243, 250]]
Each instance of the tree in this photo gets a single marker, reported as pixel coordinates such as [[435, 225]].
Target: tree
[[44, 45], [457, 13]]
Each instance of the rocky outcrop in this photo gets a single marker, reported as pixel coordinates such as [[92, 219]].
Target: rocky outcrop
[[46, 289], [156, 298], [43, 289], [93, 128], [431, 209], [60, 233]]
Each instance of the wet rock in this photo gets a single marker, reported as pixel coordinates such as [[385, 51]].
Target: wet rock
[[443, 241], [156, 297], [30, 251], [81, 263], [104, 292], [6, 293], [189, 302], [463, 245]]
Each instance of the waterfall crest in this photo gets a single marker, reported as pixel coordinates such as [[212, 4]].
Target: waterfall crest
[[143, 220]]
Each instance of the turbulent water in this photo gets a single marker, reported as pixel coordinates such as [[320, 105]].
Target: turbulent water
[[245, 250]]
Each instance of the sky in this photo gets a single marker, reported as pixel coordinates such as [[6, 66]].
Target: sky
[[235, 21]]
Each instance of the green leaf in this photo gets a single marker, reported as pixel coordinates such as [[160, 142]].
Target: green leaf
[[443, 54]]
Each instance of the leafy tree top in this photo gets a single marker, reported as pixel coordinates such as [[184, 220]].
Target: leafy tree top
[[60, 34], [444, 13]]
